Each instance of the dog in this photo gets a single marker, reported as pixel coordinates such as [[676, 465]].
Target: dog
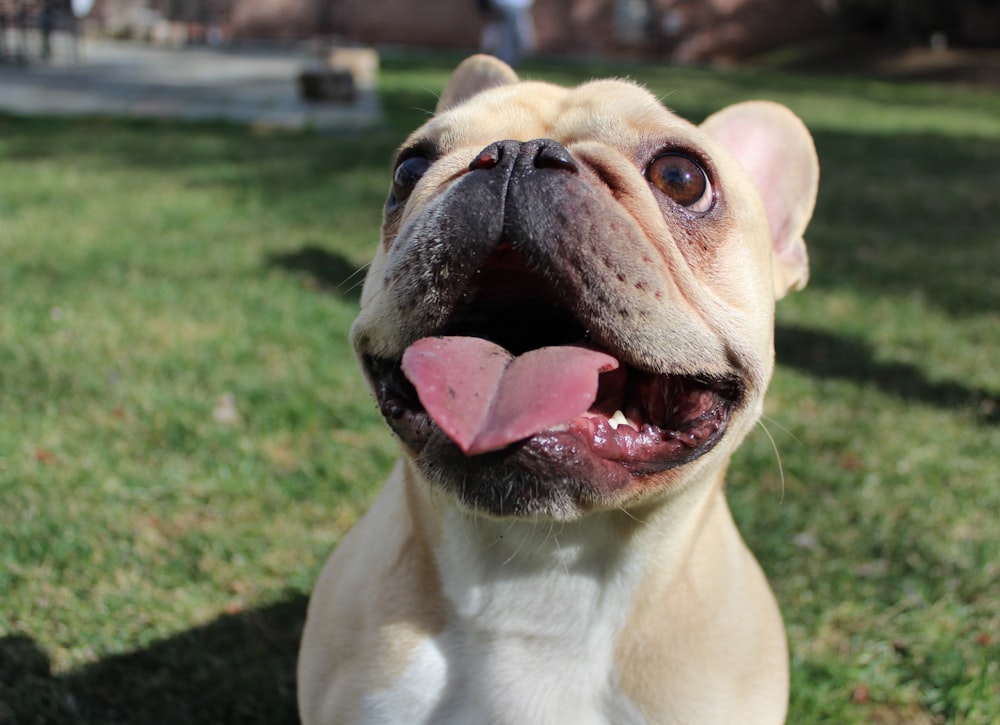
[[568, 325]]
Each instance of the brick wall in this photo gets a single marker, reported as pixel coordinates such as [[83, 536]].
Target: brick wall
[[448, 23], [687, 30], [681, 30]]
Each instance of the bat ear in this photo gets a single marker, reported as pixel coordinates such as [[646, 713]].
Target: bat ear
[[775, 147], [474, 75]]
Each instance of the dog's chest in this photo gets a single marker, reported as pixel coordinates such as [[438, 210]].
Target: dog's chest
[[455, 680], [526, 642]]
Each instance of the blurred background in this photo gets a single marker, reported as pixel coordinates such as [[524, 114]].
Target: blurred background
[[190, 193], [678, 31]]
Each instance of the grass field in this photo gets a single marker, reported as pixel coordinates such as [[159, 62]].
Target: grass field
[[184, 436]]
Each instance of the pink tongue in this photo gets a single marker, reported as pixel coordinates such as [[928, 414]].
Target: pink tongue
[[484, 398]]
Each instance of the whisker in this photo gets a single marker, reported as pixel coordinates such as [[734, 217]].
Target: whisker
[[429, 92], [631, 515], [517, 551], [502, 535], [378, 293], [352, 278], [562, 559], [777, 455], [788, 432]]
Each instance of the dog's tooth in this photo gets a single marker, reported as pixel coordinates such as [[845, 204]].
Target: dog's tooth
[[619, 419]]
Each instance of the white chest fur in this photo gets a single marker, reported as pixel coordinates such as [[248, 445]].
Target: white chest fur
[[535, 614]]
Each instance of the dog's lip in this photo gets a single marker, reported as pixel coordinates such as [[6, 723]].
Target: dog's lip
[[641, 420], [645, 422], [649, 421]]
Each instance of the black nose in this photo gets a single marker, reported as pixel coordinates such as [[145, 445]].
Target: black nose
[[541, 153]]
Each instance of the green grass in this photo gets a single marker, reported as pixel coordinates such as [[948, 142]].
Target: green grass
[[156, 552]]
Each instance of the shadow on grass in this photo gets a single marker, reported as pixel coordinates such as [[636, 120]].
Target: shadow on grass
[[239, 668], [830, 356], [909, 215], [330, 271]]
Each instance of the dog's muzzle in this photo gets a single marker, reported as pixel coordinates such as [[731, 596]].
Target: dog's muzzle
[[513, 280]]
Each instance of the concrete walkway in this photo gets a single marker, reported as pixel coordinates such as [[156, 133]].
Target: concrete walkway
[[108, 78]]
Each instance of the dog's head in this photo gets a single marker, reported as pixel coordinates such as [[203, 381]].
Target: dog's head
[[572, 304]]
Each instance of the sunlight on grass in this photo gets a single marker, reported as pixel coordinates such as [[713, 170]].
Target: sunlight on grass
[[185, 435]]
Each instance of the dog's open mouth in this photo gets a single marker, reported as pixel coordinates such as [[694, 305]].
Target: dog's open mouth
[[514, 366], [644, 421]]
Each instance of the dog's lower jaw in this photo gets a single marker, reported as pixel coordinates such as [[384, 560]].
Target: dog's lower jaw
[[586, 463], [525, 483], [652, 616]]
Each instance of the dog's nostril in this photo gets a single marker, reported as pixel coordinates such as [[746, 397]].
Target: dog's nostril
[[494, 154], [488, 158], [541, 153], [552, 155]]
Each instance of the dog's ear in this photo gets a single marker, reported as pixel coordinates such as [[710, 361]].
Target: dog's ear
[[777, 149], [474, 75]]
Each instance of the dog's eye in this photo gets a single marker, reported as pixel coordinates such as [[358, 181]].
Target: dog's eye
[[406, 176], [682, 179]]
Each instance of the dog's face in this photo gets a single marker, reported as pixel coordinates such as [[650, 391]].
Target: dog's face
[[615, 254]]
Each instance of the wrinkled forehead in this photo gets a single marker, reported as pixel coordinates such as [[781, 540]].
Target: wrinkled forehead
[[606, 110]]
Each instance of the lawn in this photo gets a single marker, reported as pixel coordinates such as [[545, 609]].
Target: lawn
[[184, 436]]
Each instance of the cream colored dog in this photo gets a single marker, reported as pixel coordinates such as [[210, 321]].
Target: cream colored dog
[[568, 324]]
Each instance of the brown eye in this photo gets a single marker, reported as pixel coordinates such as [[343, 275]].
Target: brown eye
[[682, 179], [405, 177]]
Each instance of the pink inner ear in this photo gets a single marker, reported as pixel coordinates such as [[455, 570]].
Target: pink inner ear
[[777, 151], [761, 155]]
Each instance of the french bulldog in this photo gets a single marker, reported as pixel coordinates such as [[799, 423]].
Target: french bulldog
[[568, 325]]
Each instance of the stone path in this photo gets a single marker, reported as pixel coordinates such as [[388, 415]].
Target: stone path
[[125, 79]]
